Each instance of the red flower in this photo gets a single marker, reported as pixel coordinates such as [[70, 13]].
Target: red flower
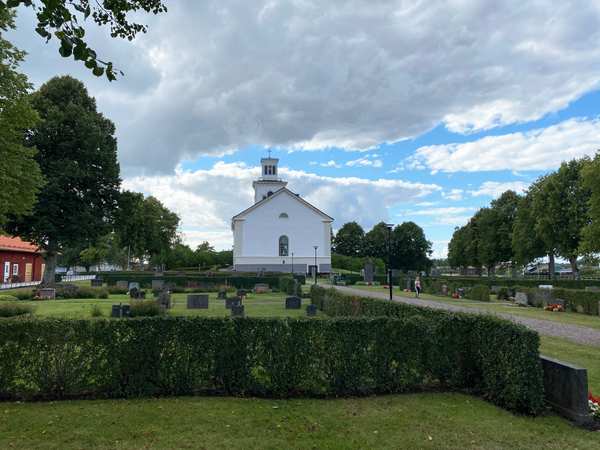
[[593, 399]]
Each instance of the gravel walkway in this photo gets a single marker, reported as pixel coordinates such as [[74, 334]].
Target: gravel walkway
[[581, 335]]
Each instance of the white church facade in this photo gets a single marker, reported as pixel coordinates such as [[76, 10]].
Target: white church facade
[[280, 232]]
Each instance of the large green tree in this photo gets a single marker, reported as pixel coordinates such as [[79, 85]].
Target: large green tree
[[66, 20], [527, 245], [463, 248], [20, 176], [411, 249], [77, 153], [348, 240], [590, 236]]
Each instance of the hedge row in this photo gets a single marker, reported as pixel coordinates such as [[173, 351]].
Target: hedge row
[[496, 358], [208, 282], [580, 301]]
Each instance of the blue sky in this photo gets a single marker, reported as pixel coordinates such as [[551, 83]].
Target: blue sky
[[395, 111]]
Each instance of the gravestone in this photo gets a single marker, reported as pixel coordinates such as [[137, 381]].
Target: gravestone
[[542, 297], [261, 288], [241, 293], [461, 292], [96, 282], [123, 284], [409, 283], [233, 301], [521, 299], [369, 272], [580, 309], [311, 310], [133, 285], [545, 286], [158, 284], [222, 295], [444, 289], [237, 311], [566, 389], [197, 301], [164, 300], [293, 302], [46, 293], [115, 311], [126, 310]]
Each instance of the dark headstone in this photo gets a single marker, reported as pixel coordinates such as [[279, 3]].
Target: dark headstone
[[311, 310], [369, 272], [96, 282], [115, 311], [197, 301], [237, 311], [233, 301], [293, 303], [126, 310], [222, 295], [566, 389], [46, 293], [158, 284], [123, 284], [164, 299]]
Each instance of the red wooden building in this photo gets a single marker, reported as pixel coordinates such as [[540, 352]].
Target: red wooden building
[[20, 261]]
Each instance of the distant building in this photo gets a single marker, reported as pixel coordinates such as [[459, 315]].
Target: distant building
[[280, 231], [20, 261]]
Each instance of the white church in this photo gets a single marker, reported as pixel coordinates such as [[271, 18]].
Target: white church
[[280, 232]]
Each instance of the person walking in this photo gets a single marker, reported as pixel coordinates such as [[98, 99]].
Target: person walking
[[417, 286]]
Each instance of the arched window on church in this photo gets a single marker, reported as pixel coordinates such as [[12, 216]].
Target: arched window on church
[[283, 216], [283, 245]]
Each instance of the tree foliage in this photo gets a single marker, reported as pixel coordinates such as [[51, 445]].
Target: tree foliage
[[348, 240], [590, 237], [77, 153], [65, 21], [20, 175]]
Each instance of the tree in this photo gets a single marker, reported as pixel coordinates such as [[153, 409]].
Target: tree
[[527, 245], [77, 153], [129, 223], [590, 235], [65, 19], [20, 175], [376, 242], [410, 248], [349, 239], [463, 249]]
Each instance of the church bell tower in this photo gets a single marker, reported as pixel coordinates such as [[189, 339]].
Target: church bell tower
[[269, 181]]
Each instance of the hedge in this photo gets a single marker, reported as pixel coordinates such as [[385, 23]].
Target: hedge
[[493, 357], [478, 292], [188, 280], [576, 300]]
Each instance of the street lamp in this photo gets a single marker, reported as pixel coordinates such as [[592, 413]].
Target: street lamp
[[316, 266], [292, 263], [389, 257]]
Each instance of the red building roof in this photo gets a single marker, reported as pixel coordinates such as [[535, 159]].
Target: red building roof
[[15, 244]]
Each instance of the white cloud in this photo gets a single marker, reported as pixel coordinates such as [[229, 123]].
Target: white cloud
[[207, 199], [331, 163], [453, 194], [213, 76], [496, 188], [451, 215], [539, 149], [365, 162]]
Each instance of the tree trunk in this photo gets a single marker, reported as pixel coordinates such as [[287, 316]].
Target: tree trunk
[[574, 268], [551, 265], [50, 270], [491, 270]]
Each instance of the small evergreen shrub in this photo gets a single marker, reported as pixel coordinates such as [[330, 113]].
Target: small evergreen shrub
[[116, 290], [478, 292], [14, 309], [145, 308]]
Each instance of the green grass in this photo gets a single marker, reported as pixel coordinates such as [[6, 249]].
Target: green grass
[[494, 306], [429, 420], [256, 305]]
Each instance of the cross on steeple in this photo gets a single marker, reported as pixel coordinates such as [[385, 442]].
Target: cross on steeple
[[269, 151]]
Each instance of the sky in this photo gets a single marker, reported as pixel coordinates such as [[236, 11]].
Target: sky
[[378, 110]]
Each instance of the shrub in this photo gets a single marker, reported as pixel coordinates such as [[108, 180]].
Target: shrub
[[8, 298], [495, 357], [115, 290], [290, 286], [145, 308], [503, 293], [14, 309], [23, 294], [478, 292], [70, 291], [96, 311]]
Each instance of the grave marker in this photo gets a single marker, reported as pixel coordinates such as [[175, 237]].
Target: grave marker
[[293, 302], [197, 301], [311, 310], [237, 311]]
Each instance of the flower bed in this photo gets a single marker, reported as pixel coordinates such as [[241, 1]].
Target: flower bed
[[594, 403]]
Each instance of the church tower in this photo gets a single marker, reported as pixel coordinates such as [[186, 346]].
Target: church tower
[[269, 182]]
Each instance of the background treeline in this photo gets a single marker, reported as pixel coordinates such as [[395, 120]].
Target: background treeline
[[558, 216], [409, 249]]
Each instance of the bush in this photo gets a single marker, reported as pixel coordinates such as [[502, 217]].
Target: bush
[[23, 294], [503, 293], [70, 291], [145, 308], [14, 309], [494, 357], [115, 290], [8, 298], [478, 292], [96, 311], [290, 286]]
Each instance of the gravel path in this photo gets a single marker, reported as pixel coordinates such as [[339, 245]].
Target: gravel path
[[581, 335]]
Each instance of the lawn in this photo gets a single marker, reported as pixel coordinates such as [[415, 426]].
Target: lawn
[[429, 420], [256, 305], [494, 306]]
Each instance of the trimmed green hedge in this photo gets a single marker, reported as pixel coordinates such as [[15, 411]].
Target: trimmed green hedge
[[188, 280], [12, 309], [478, 292], [494, 357], [576, 300]]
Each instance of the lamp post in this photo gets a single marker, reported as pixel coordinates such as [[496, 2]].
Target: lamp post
[[389, 257], [316, 270], [292, 263]]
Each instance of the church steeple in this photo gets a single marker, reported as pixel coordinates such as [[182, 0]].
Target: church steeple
[[269, 181]]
